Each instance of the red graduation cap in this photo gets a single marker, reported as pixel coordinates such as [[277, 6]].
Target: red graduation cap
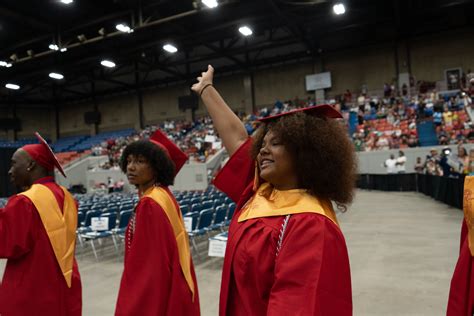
[[318, 110], [177, 155], [43, 155]]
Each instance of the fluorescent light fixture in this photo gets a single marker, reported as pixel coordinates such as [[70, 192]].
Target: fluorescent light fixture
[[53, 47], [62, 50], [123, 28], [245, 30], [107, 63], [12, 86], [55, 75], [5, 64], [66, 1], [339, 8], [170, 48], [210, 3]]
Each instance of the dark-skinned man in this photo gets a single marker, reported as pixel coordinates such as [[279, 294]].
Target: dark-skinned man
[[37, 236]]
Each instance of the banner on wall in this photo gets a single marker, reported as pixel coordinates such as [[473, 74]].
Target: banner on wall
[[318, 81]]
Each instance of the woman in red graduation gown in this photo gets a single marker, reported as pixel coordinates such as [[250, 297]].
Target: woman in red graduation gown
[[37, 236], [286, 254], [158, 276], [461, 294]]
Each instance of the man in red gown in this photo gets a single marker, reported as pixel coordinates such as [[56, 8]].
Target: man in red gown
[[158, 277], [461, 294], [37, 236]]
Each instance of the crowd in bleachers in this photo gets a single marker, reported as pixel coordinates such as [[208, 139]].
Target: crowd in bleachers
[[197, 139], [391, 122]]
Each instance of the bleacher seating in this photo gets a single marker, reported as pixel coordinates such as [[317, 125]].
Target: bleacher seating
[[65, 144], [101, 137]]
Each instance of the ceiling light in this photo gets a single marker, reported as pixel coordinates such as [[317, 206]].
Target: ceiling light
[[62, 50], [107, 63], [123, 28], [245, 30], [339, 8], [12, 86], [101, 32], [55, 75], [210, 3], [66, 1], [170, 48], [53, 47], [5, 64], [14, 57], [30, 52]]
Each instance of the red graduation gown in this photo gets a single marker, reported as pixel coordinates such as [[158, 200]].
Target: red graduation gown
[[310, 275], [33, 283], [152, 281], [461, 294]]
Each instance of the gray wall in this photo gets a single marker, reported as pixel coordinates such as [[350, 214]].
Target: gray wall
[[372, 161], [428, 57]]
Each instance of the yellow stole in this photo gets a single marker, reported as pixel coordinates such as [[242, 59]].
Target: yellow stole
[[161, 196], [268, 201], [60, 226], [468, 208]]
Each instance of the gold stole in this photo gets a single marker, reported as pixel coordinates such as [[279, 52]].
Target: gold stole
[[268, 201], [468, 209], [60, 227], [160, 196]]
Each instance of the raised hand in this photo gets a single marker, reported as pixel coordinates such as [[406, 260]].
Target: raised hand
[[203, 81]]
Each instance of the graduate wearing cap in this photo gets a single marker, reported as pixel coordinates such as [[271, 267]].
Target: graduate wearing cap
[[38, 237], [158, 276], [285, 254], [461, 294]]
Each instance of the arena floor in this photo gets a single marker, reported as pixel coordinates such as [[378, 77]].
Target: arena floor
[[402, 247]]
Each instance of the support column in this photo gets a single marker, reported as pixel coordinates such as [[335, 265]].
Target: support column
[[249, 93], [402, 65]]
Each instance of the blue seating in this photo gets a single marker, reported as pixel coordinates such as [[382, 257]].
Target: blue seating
[[204, 221], [119, 231], [195, 200], [219, 218], [184, 209], [197, 207], [94, 235], [230, 213], [194, 216], [207, 204], [80, 219]]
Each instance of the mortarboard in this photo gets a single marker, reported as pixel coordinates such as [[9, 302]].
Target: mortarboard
[[43, 155]]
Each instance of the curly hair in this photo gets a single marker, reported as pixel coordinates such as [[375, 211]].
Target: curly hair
[[161, 164], [323, 155]]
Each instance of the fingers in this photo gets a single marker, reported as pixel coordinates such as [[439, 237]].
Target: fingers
[[210, 68]]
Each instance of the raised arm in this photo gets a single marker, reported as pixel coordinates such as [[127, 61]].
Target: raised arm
[[228, 125]]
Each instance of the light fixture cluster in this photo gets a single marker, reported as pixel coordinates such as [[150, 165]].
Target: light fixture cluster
[[245, 30], [339, 8]]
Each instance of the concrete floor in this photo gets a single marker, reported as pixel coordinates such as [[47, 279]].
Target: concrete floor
[[402, 247]]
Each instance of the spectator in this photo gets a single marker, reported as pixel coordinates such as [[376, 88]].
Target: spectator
[[432, 166], [110, 184], [419, 166], [390, 164], [401, 162]]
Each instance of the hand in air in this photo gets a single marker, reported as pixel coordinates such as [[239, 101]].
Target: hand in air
[[204, 80]]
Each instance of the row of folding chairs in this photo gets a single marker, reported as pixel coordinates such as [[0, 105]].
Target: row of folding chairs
[[115, 229], [203, 222]]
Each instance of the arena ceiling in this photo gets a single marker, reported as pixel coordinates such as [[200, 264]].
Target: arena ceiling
[[284, 31]]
